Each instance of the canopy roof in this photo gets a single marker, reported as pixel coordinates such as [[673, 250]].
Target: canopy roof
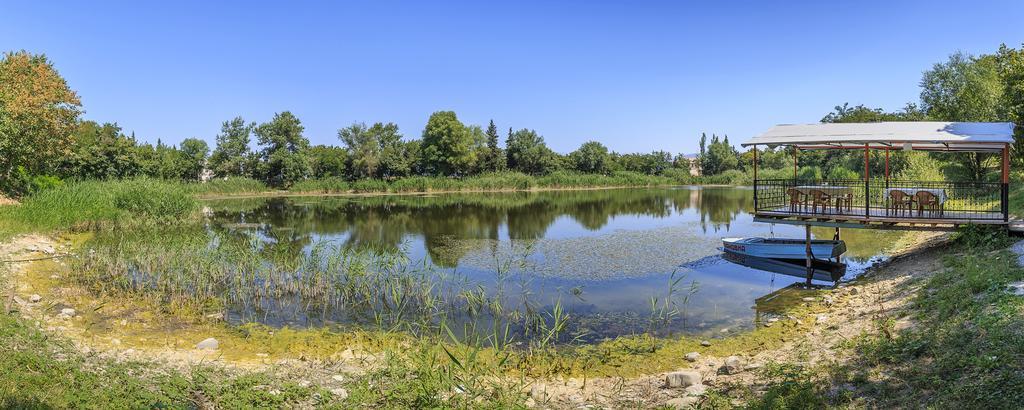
[[929, 136]]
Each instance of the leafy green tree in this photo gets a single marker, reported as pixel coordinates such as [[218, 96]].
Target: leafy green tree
[[526, 152], [376, 151], [720, 157], [1010, 66], [193, 155], [38, 114], [965, 88], [448, 146], [232, 156], [328, 161], [591, 157], [101, 152], [284, 155], [860, 113]]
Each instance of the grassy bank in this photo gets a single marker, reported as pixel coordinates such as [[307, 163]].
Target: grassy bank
[[960, 347], [100, 204]]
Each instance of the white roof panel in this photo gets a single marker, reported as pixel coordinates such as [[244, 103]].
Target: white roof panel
[[941, 136]]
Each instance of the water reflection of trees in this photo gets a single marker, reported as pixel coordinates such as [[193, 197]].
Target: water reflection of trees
[[290, 224]]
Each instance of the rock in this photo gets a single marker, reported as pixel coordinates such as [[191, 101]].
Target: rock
[[682, 378], [752, 366], [696, 390], [808, 299], [1016, 288], [682, 402], [208, 344], [705, 343], [773, 320], [821, 318], [35, 298], [768, 324], [67, 313], [338, 378], [828, 300], [216, 316], [733, 365], [854, 290], [692, 356], [304, 383]]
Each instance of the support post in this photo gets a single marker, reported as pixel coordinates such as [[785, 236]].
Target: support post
[[1005, 188], [867, 185], [795, 150], [885, 193], [755, 178], [810, 256]]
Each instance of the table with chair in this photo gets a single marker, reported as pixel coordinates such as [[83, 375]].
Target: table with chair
[[812, 198], [903, 201]]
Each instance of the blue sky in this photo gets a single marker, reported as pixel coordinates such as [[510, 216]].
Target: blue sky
[[637, 76]]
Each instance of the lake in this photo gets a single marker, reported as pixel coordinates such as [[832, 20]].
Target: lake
[[610, 262]]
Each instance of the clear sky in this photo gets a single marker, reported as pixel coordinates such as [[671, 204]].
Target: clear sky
[[637, 76]]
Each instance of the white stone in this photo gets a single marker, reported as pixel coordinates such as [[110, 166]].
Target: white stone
[[692, 356], [821, 318], [705, 343], [1016, 288], [67, 313], [773, 320], [208, 344], [338, 378], [682, 402], [733, 365], [696, 390], [682, 378], [35, 298]]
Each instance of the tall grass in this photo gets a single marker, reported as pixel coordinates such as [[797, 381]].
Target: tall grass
[[95, 204], [230, 185]]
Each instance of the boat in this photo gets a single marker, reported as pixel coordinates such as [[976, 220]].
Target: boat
[[824, 270], [784, 248]]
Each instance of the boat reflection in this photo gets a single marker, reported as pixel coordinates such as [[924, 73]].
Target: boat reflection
[[825, 271]]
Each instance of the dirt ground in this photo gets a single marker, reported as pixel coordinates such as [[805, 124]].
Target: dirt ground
[[839, 314]]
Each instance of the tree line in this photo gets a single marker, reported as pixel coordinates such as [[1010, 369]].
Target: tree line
[[43, 140]]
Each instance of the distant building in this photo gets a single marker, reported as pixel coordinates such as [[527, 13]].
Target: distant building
[[694, 164]]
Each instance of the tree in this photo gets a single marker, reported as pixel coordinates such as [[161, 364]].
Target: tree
[[720, 157], [526, 152], [375, 152], [964, 88], [1010, 66], [38, 114], [101, 152], [846, 114], [448, 147], [284, 153], [193, 155], [231, 157], [591, 157], [494, 160], [328, 161]]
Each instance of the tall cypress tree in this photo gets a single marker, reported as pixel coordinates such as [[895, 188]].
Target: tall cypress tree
[[495, 157]]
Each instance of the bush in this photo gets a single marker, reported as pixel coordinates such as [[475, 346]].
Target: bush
[[842, 173]]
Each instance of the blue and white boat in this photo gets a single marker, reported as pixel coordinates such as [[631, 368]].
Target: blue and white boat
[[784, 248]]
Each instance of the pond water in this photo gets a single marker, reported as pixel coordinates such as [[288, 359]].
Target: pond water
[[615, 261]]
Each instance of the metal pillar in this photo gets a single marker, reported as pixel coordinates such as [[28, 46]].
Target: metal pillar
[[810, 256]]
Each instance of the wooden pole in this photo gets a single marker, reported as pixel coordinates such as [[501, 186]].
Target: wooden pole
[[867, 185], [810, 256]]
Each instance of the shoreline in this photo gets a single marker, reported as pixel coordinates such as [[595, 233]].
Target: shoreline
[[800, 336], [286, 194]]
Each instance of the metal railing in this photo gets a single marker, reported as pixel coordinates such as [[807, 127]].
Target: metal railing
[[880, 198]]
